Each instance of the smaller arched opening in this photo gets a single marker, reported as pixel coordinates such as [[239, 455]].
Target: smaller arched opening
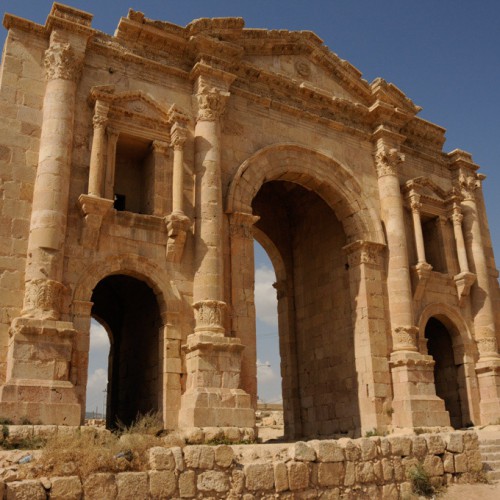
[[129, 309], [446, 348]]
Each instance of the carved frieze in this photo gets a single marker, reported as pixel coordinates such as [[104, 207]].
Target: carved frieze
[[364, 252]]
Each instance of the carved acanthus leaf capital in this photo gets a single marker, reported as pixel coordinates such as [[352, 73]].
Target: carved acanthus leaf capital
[[405, 338], [61, 62], [211, 103], [468, 183], [178, 134], [210, 316], [387, 161], [42, 299]]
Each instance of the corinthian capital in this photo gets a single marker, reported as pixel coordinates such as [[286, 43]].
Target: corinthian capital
[[61, 62], [387, 160], [468, 183], [211, 103]]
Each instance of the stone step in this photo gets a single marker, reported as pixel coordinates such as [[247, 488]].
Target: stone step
[[491, 465], [493, 475], [489, 448], [490, 457], [489, 441]]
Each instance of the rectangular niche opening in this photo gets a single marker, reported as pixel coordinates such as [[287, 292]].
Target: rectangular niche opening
[[434, 244], [134, 175]]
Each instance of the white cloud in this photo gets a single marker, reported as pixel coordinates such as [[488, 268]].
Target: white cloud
[[96, 384], [265, 372], [265, 296], [98, 336]]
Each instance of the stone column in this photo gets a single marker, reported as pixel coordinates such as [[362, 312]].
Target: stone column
[[242, 296], [50, 196], [109, 188], [415, 206], [488, 366], [365, 260], [97, 170], [179, 135], [414, 394], [41, 351], [213, 396]]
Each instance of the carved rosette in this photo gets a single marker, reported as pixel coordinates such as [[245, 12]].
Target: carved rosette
[[405, 338], [42, 299], [211, 103], [364, 252], [387, 161], [61, 62], [241, 225], [468, 183], [210, 316]]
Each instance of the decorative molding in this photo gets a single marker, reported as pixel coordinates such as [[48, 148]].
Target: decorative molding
[[211, 103], [405, 338], [42, 299], [93, 210], [178, 134], [241, 224], [421, 274], [62, 63], [464, 282], [177, 228], [210, 316], [364, 252], [387, 161], [468, 183]]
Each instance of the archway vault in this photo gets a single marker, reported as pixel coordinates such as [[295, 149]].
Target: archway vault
[[169, 304], [315, 171]]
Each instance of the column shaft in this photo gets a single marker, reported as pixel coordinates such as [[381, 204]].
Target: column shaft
[[97, 170]]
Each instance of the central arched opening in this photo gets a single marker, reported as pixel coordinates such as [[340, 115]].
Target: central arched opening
[[129, 309], [449, 376], [304, 240]]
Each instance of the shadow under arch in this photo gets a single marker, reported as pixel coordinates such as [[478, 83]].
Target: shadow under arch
[[314, 171], [444, 335], [167, 301]]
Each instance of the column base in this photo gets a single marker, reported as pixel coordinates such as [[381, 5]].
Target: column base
[[38, 369], [415, 402], [213, 397], [488, 376]]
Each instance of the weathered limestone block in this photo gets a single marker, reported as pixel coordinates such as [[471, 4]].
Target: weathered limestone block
[[433, 465], [419, 446], [331, 474], [100, 485], [474, 461], [298, 475], [161, 458], [368, 448], [178, 457], [302, 452], [330, 494], [328, 451], [213, 481], [350, 474], [435, 444], [187, 484], [400, 445], [199, 457], [454, 442], [259, 476], [471, 441], [448, 462], [364, 472], [237, 481], [390, 492], [132, 485], [224, 455], [387, 469], [351, 450], [460, 462], [280, 476], [162, 483], [31, 489], [399, 470], [66, 488]]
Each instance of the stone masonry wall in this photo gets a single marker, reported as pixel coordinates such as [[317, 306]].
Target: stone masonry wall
[[362, 468]]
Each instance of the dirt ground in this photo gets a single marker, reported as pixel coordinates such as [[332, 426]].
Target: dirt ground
[[471, 492]]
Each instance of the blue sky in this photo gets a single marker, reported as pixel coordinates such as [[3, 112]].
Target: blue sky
[[443, 54]]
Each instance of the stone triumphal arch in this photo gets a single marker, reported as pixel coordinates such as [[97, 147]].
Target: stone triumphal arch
[[137, 171]]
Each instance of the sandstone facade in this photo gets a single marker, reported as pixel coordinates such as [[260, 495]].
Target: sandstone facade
[[136, 171]]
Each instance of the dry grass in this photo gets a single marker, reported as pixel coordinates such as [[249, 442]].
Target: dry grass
[[88, 452]]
